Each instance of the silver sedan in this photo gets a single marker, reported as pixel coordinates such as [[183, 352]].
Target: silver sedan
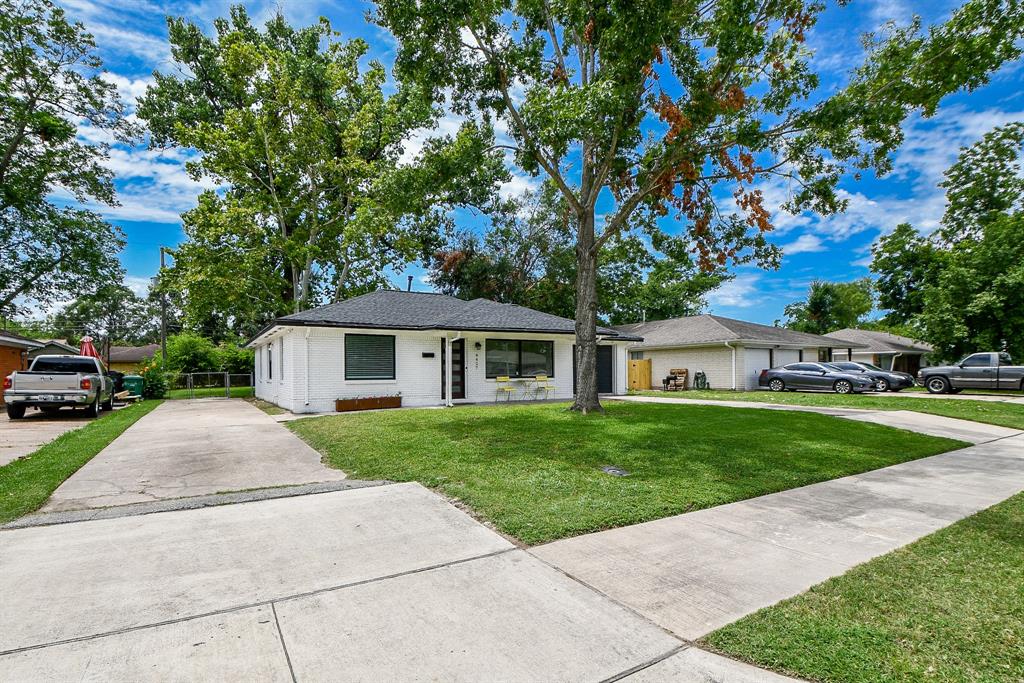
[[814, 377]]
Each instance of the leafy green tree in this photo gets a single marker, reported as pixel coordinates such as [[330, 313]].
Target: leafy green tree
[[986, 182], [972, 297], [112, 314], [903, 262], [831, 306], [643, 108], [190, 352], [303, 137], [527, 258], [51, 88]]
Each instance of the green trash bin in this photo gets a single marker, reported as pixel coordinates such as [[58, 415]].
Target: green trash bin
[[133, 384]]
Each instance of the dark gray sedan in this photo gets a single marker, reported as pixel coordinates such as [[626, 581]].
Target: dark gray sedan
[[814, 377], [884, 380]]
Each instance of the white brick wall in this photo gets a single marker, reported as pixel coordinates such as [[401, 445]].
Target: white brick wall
[[713, 361], [418, 379]]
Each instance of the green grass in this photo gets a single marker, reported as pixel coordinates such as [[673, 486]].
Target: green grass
[[26, 483], [534, 471], [268, 408], [992, 412], [949, 608], [209, 392]]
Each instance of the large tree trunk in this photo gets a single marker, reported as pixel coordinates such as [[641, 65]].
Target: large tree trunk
[[586, 317]]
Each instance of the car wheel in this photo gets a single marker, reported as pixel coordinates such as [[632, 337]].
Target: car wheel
[[843, 386], [937, 385], [776, 385], [882, 384], [15, 411]]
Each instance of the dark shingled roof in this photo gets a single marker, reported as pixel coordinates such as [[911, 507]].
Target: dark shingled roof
[[392, 309], [874, 341], [714, 329], [8, 338]]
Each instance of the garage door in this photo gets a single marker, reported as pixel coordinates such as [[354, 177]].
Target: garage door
[[756, 360], [786, 356]]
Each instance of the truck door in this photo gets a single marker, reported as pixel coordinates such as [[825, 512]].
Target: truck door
[[977, 371], [1007, 380]]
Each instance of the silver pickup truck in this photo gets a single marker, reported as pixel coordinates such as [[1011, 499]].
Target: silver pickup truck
[[52, 382], [990, 370]]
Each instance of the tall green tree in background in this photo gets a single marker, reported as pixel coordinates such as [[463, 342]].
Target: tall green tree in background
[[527, 258], [962, 287], [306, 144], [51, 88], [113, 314], [831, 306], [640, 109]]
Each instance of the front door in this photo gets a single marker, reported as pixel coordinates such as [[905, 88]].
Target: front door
[[458, 368], [605, 357]]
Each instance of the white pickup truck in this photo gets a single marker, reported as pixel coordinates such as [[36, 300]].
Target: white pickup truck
[[52, 382]]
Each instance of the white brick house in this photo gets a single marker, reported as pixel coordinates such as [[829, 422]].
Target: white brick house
[[391, 342], [731, 353]]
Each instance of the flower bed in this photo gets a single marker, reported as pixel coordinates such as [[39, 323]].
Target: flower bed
[[345, 405]]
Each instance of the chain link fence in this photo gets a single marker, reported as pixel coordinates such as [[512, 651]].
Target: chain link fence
[[210, 385]]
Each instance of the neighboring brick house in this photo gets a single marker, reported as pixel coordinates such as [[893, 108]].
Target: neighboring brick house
[[14, 350], [731, 353]]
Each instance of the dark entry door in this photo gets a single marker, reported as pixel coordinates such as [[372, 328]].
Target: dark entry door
[[604, 369], [458, 368]]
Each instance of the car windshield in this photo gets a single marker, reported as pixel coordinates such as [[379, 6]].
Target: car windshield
[[869, 366], [832, 367], [847, 366], [64, 365]]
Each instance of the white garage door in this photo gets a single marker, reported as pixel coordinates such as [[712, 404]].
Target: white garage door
[[756, 361], [787, 356]]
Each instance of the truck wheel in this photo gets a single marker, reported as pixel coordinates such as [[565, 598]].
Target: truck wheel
[[15, 411], [94, 408], [937, 385], [109, 403]]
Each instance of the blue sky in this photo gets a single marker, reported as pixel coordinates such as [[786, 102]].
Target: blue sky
[[154, 188]]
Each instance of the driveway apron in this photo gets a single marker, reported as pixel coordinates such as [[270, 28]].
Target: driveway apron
[[18, 438], [192, 448]]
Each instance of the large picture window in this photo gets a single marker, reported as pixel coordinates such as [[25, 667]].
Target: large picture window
[[369, 356], [520, 358]]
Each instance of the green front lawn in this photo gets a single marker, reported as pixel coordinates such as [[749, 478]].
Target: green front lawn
[[210, 392], [993, 412], [949, 607], [25, 484], [534, 471]]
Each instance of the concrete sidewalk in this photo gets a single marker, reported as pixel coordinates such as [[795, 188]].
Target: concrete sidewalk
[[383, 583], [192, 448], [697, 572]]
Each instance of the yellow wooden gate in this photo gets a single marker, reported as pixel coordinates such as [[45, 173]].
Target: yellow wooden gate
[[639, 375]]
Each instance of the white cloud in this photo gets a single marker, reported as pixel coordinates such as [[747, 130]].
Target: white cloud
[[740, 292], [138, 284], [806, 243], [130, 89]]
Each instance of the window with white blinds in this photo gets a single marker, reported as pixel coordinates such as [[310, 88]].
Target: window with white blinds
[[369, 356]]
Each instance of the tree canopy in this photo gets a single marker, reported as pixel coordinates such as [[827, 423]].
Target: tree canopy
[[649, 108], [304, 144], [831, 306], [51, 90]]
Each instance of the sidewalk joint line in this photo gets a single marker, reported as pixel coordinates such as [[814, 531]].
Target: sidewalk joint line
[[284, 646], [645, 665], [259, 603]]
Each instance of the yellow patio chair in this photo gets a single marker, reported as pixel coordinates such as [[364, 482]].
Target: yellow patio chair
[[504, 385], [542, 385]]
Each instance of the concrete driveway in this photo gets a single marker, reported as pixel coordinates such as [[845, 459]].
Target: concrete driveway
[[192, 448], [381, 583], [18, 438]]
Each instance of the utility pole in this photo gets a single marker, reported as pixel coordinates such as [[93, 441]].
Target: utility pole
[[163, 312]]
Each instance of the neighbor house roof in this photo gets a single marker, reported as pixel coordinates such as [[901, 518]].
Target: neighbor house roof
[[396, 310], [700, 330], [61, 344], [133, 354], [8, 338], [873, 341]]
